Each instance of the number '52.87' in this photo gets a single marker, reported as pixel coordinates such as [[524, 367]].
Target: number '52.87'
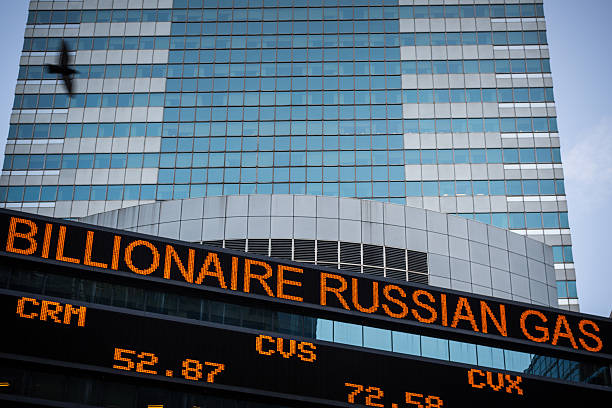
[[146, 363]]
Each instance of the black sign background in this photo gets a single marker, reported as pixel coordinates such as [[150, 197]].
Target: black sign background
[[310, 290], [322, 379]]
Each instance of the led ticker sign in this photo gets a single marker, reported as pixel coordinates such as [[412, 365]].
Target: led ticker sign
[[269, 365], [41, 239]]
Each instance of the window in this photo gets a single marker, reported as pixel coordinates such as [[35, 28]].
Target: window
[[566, 289], [434, 348], [376, 338]]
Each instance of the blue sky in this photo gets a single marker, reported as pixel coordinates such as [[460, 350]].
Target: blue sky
[[578, 33]]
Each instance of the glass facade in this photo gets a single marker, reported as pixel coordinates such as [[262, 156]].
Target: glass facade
[[447, 107]]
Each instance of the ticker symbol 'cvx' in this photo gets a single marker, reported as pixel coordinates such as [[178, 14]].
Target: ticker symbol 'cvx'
[[63, 69]]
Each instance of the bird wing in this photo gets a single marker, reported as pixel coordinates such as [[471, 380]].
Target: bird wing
[[68, 83], [53, 69], [63, 59]]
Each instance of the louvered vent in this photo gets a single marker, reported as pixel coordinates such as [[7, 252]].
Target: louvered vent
[[399, 275], [417, 262], [281, 248], [394, 263], [327, 251], [395, 258], [218, 243], [374, 271], [237, 244], [258, 246], [351, 268], [418, 278], [350, 253], [304, 250], [373, 255]]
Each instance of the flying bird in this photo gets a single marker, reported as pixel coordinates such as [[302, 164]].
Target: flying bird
[[63, 68]]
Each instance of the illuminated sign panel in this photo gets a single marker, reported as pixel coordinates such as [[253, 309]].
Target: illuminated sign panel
[[79, 245], [265, 364]]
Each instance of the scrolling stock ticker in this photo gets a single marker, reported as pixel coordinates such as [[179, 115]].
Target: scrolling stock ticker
[[253, 362], [312, 289]]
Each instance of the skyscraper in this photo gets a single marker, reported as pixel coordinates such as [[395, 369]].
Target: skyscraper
[[441, 105]]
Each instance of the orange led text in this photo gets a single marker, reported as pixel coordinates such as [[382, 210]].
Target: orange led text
[[49, 311], [495, 381], [285, 348]]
